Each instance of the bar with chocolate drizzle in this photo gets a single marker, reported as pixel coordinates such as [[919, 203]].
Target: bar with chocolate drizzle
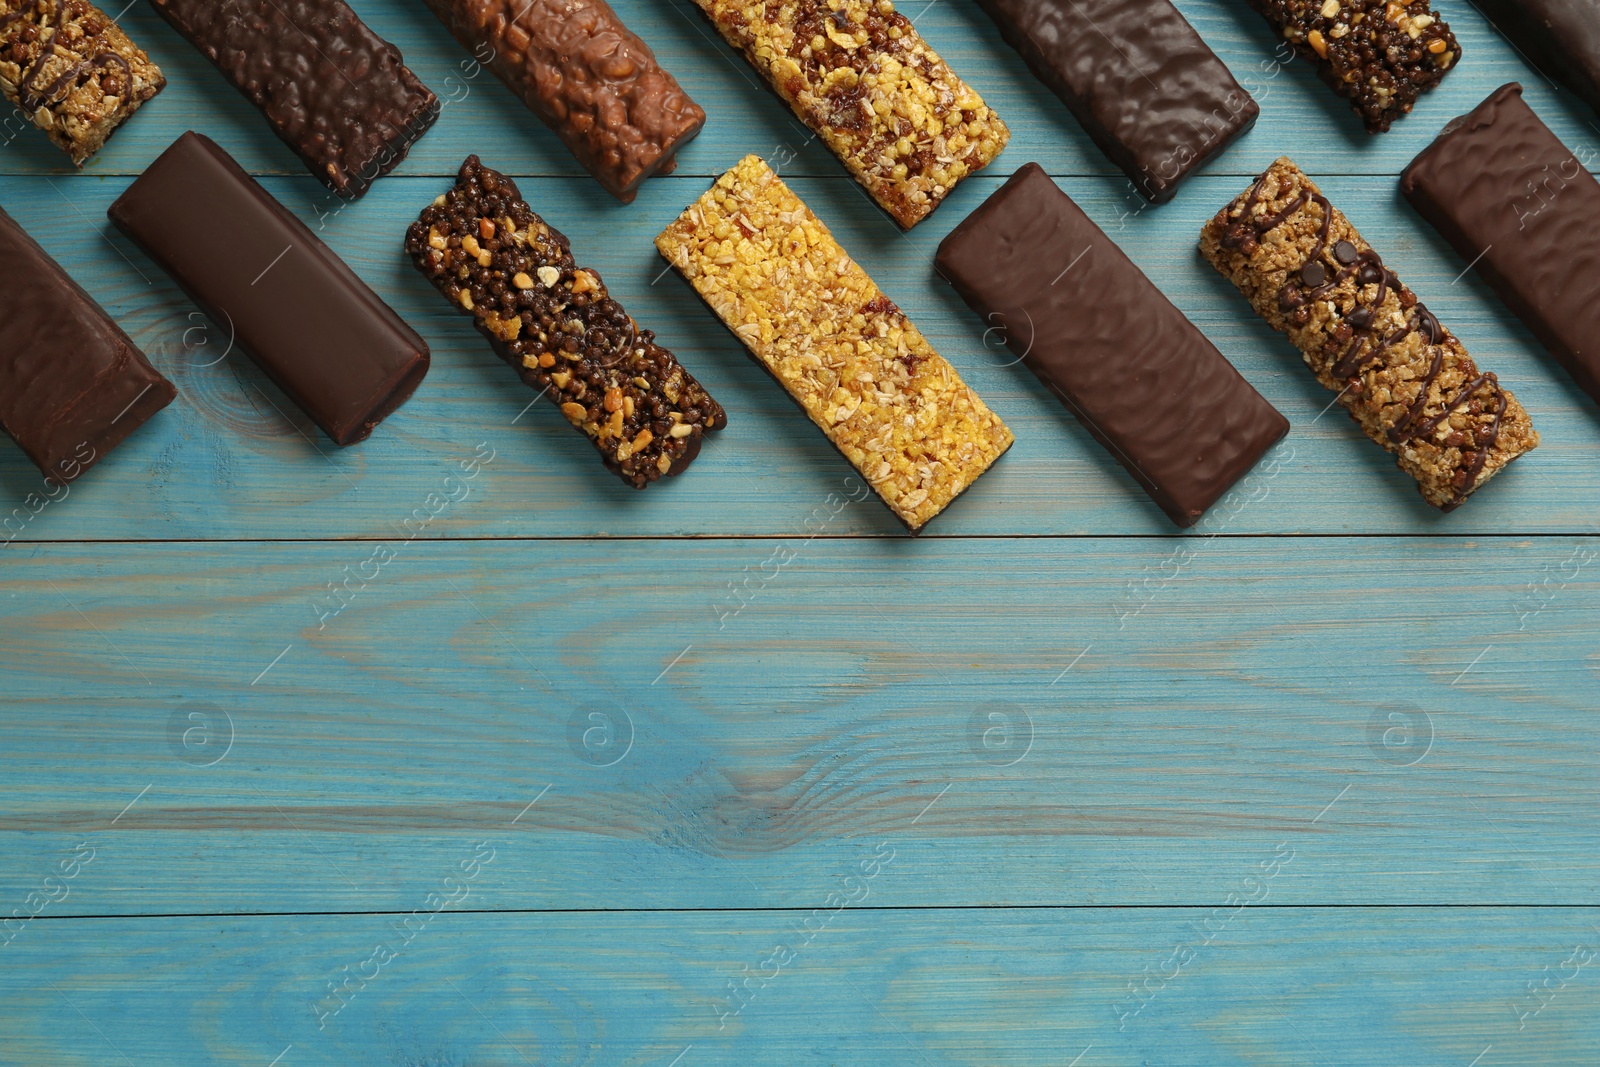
[[1402, 376]]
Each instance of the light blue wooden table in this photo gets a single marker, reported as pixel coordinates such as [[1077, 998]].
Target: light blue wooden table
[[584, 776]]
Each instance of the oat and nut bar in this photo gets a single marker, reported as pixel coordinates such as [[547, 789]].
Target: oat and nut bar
[[289, 302], [1381, 55], [1517, 205], [73, 70], [588, 77], [846, 354], [861, 77], [335, 92], [483, 247], [72, 385], [1084, 318], [1402, 376], [1145, 87]]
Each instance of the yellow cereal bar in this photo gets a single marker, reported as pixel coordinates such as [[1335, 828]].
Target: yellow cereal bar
[[847, 355], [858, 73]]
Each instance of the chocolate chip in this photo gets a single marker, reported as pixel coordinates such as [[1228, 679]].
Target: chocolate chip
[[1345, 252], [1361, 318], [1314, 274]]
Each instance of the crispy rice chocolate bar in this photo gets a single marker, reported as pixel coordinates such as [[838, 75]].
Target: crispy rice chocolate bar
[[1381, 55], [484, 248], [73, 71], [1403, 377], [588, 77], [858, 74], [847, 355]]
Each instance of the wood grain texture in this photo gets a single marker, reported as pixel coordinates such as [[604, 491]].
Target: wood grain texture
[[1317, 778]]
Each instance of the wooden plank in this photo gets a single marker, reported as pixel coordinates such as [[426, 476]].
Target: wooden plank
[[232, 458], [1298, 114], [1248, 985], [1042, 721]]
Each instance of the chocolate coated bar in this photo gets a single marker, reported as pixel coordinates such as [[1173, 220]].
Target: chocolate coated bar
[[334, 91], [1381, 55], [292, 306], [587, 77], [1515, 202], [491, 256], [1157, 101], [1561, 38], [861, 77], [73, 71], [1401, 375], [846, 354], [72, 385], [1142, 380]]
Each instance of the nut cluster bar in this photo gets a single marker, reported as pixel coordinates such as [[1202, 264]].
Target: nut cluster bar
[[1077, 311], [861, 77], [1403, 377], [73, 70], [72, 385], [1515, 202], [587, 77], [483, 247], [1381, 55], [1560, 38], [1146, 88], [334, 91], [846, 354], [290, 304]]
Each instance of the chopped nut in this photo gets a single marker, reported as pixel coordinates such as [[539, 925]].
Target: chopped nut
[[521, 280], [548, 275], [466, 299], [1315, 40], [680, 429], [575, 413], [485, 229], [1330, 8]]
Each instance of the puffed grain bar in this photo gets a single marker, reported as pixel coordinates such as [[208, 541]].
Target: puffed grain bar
[[1083, 317], [1381, 55], [492, 257], [587, 77], [846, 354], [292, 305], [335, 92], [73, 70], [1402, 376], [858, 74], [72, 385], [1145, 87]]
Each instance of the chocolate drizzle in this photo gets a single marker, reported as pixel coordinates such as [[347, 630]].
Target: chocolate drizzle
[[1319, 275], [31, 98]]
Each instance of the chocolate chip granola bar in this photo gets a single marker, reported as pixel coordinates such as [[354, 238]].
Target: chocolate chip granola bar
[[846, 354], [1402, 376], [483, 247], [73, 71]]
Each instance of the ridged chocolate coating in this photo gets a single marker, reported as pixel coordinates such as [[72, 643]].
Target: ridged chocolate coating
[[72, 385], [587, 77], [1559, 37], [1146, 88], [334, 91], [1515, 202], [1081, 315]]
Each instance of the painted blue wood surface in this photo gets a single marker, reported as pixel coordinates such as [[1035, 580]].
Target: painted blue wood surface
[[1317, 779]]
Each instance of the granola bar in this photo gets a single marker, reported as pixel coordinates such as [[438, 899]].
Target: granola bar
[[484, 248], [858, 73], [1402, 376], [1381, 55], [847, 355], [74, 72], [588, 77]]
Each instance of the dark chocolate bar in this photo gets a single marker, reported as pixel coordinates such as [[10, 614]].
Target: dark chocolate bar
[[1516, 204], [69, 68], [485, 249], [72, 385], [1559, 38], [1084, 318], [1381, 55], [291, 305], [587, 77], [1147, 90], [334, 91]]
